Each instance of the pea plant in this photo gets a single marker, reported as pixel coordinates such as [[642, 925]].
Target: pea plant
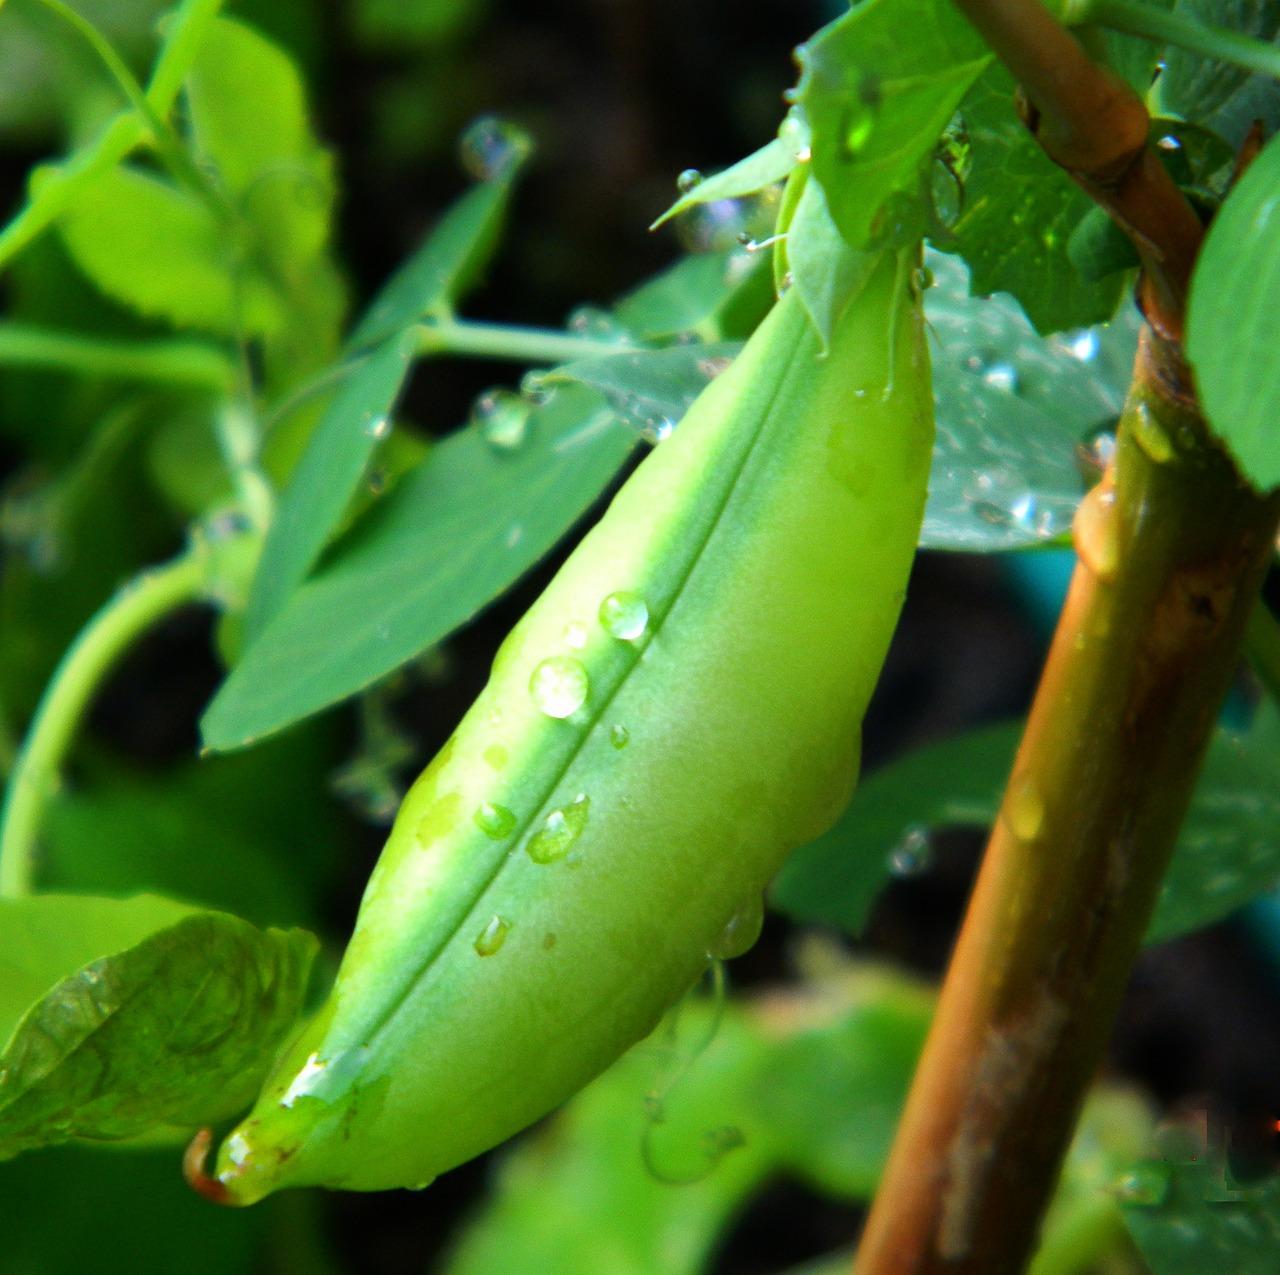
[[1001, 282]]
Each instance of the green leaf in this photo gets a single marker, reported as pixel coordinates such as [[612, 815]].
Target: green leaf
[[257, 833], [1228, 851], [177, 1028], [878, 86], [836, 879], [714, 295], [771, 163], [46, 938], [161, 251], [650, 390], [249, 119], [310, 507], [54, 187], [1187, 1219], [452, 535], [1217, 94], [1013, 410], [448, 263], [1233, 327], [827, 275], [1018, 214]]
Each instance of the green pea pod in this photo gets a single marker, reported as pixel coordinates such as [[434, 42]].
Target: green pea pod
[[678, 710]]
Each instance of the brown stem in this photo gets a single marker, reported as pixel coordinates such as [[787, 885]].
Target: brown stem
[[1095, 127], [1172, 549]]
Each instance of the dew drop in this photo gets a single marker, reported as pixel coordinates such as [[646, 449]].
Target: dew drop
[[495, 821], [740, 931], [1001, 376], [624, 616], [492, 937], [913, 855], [536, 388], [1084, 345], [794, 134], [599, 325], [619, 736], [502, 417], [492, 148], [1096, 530], [688, 180], [1144, 1185], [559, 686], [1150, 435], [377, 427], [561, 828], [1024, 810], [575, 635], [1095, 452]]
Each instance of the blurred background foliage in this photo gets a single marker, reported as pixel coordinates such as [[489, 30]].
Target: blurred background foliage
[[620, 95]]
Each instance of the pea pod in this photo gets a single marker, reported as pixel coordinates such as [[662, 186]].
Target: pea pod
[[675, 713]]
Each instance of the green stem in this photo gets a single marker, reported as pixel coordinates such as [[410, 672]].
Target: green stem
[[509, 341], [133, 610], [1136, 18], [179, 362], [166, 141], [1262, 647]]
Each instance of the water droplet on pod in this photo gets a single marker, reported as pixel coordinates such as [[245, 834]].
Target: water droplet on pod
[[377, 427], [688, 180], [492, 937], [740, 931], [619, 735], [1024, 809], [495, 821], [559, 686], [624, 616], [1096, 530], [561, 828]]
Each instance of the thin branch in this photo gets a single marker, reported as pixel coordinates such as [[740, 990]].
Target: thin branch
[[134, 609]]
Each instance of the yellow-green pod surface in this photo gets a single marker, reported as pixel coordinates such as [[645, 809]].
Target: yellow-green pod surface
[[675, 713]]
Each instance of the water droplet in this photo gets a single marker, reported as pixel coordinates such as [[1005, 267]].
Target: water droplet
[[1149, 434], [1084, 345], [575, 635], [913, 855], [1024, 810], [716, 225], [502, 417], [1169, 143], [560, 829], [688, 180], [1144, 1185], [537, 388], [657, 429], [559, 686], [740, 931], [619, 736], [492, 937], [624, 616], [1001, 376], [859, 122], [492, 148], [1095, 452], [795, 135], [495, 821], [599, 325], [1096, 530], [377, 427]]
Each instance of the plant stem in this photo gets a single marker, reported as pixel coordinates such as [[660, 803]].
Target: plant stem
[[133, 610], [175, 362], [510, 341], [1171, 555], [1135, 18]]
